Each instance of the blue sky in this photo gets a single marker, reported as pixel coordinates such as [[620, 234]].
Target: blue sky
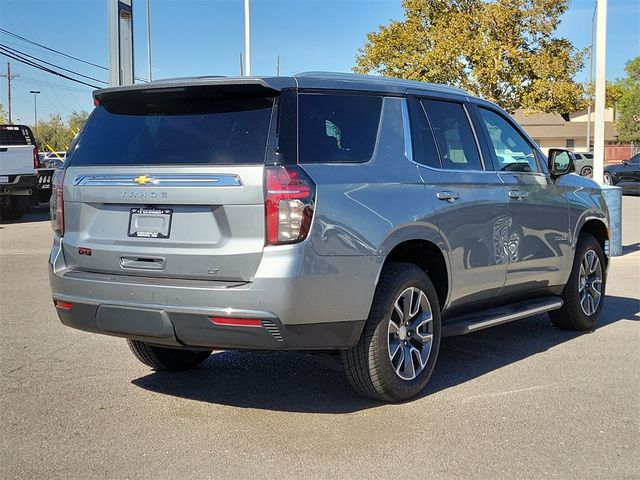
[[206, 37]]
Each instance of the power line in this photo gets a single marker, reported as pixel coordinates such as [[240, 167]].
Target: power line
[[53, 50], [45, 76], [43, 83], [7, 32], [18, 52], [19, 58]]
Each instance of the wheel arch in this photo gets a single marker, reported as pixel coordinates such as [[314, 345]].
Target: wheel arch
[[423, 247], [597, 228]]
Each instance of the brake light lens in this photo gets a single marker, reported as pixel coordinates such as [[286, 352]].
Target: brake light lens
[[56, 204], [289, 203], [36, 160]]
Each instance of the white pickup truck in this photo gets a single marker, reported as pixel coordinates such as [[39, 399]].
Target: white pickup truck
[[18, 170]]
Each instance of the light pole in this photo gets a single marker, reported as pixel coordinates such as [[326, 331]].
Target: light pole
[[593, 20], [35, 108], [601, 48], [148, 41], [247, 39]]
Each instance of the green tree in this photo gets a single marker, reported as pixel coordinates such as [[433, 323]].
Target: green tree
[[56, 133], [628, 105], [504, 50], [3, 115], [53, 133], [76, 120]]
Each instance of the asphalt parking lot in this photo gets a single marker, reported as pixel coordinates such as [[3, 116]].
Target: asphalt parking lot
[[522, 400]]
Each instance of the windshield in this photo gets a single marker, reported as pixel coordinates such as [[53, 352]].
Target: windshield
[[176, 131]]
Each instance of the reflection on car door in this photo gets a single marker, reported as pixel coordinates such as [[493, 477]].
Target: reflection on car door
[[538, 209], [469, 201]]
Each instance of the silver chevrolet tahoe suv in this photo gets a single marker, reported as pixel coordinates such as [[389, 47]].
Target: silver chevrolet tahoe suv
[[362, 216]]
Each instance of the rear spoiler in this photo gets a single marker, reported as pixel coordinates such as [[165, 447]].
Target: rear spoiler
[[198, 86]]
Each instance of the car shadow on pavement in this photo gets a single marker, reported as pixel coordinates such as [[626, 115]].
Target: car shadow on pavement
[[294, 383], [36, 214], [635, 247]]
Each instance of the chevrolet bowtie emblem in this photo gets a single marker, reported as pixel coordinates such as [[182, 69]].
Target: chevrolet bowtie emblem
[[142, 180]]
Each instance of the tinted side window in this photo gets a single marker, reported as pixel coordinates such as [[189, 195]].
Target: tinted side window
[[337, 128], [513, 152], [454, 138], [424, 145]]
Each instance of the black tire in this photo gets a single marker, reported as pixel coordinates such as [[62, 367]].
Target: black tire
[[14, 207], [170, 359], [571, 316], [367, 365], [607, 178]]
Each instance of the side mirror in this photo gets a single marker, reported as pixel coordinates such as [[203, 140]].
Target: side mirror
[[560, 162]]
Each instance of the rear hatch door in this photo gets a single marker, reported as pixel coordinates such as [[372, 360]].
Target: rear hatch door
[[170, 184]]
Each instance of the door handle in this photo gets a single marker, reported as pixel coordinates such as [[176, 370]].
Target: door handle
[[518, 194], [448, 196], [143, 263]]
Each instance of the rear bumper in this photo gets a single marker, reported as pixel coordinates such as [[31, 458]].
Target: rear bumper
[[301, 304], [161, 326], [18, 183]]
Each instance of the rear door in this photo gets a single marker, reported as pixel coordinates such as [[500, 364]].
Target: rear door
[[169, 185], [468, 199], [538, 209]]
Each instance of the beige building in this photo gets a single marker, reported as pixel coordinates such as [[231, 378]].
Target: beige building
[[568, 131]]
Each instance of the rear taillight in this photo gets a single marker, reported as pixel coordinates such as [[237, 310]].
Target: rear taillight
[[289, 202], [56, 204], [36, 161]]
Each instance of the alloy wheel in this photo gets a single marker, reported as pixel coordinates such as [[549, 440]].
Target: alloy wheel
[[587, 172], [410, 333], [590, 283]]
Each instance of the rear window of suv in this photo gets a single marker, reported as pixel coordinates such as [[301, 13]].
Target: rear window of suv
[[176, 131], [336, 128]]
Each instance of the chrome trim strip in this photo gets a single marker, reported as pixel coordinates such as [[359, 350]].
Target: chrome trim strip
[[406, 130], [163, 180]]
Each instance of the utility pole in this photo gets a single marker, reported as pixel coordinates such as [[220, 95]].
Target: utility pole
[[241, 70], [35, 109], [9, 77], [247, 38], [278, 66]]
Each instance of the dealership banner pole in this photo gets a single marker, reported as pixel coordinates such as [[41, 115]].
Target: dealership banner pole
[[120, 42]]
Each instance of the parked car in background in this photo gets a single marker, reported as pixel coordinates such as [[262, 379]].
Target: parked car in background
[[583, 163], [18, 165], [364, 216], [625, 175], [51, 159], [48, 164]]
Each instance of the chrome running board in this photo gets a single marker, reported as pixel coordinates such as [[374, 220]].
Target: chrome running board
[[470, 323]]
